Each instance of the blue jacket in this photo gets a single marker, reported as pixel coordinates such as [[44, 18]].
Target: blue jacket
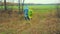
[[26, 11]]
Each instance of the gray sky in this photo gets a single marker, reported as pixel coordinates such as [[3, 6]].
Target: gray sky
[[42, 1], [37, 1]]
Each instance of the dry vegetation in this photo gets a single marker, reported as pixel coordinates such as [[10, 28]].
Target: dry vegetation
[[13, 23]]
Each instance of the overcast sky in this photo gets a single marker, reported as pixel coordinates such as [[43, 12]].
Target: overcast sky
[[37, 1], [42, 1]]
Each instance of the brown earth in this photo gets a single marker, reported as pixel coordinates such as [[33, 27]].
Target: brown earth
[[15, 24]]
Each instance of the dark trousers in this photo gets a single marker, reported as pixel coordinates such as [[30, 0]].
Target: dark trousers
[[27, 18]]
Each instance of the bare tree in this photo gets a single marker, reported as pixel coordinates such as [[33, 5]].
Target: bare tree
[[5, 6], [58, 10], [19, 5], [0, 4], [23, 5], [13, 4]]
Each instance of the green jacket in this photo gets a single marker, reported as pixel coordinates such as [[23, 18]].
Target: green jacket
[[30, 13]]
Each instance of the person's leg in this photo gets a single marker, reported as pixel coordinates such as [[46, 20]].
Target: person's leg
[[28, 18], [25, 18]]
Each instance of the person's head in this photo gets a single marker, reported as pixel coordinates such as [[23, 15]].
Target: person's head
[[26, 7]]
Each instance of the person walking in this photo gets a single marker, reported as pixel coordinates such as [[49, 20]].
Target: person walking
[[30, 14], [27, 13]]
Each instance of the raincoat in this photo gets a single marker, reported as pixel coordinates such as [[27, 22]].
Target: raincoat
[[30, 13], [26, 12]]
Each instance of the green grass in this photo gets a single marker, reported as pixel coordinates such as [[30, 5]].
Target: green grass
[[33, 7], [44, 6]]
